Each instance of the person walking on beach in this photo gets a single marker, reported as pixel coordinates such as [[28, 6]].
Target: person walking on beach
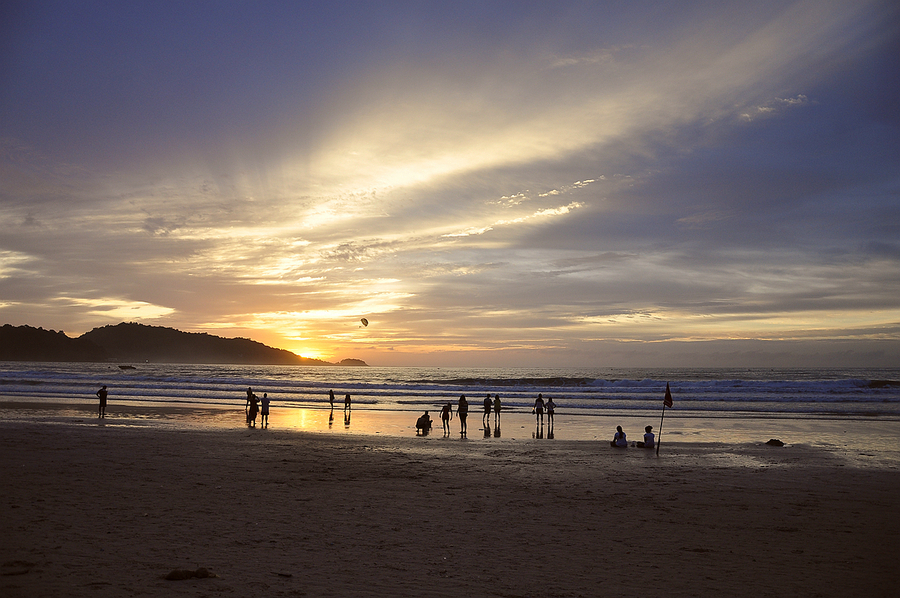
[[551, 407], [264, 412], [538, 409], [486, 418], [446, 416], [331, 398], [463, 412], [619, 440], [347, 402], [102, 394]]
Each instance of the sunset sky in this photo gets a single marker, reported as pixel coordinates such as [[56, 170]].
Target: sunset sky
[[489, 183]]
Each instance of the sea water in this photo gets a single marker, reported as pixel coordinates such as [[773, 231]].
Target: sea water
[[854, 413], [582, 391]]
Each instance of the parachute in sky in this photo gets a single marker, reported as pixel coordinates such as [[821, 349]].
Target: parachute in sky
[[365, 322]]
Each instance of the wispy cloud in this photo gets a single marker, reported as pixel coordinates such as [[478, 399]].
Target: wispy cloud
[[578, 177]]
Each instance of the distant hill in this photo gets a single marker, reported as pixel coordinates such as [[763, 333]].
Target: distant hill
[[25, 343], [131, 342]]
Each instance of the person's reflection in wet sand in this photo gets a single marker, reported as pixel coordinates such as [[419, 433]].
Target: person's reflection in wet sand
[[539, 431], [497, 431], [487, 431], [331, 417], [550, 430], [346, 418]]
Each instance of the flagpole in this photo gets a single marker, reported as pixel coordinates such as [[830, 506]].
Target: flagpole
[[659, 439], [667, 402]]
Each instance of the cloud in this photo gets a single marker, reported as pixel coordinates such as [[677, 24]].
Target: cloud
[[576, 176]]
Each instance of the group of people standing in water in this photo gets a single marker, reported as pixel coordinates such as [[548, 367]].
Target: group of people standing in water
[[257, 407], [424, 423], [260, 407]]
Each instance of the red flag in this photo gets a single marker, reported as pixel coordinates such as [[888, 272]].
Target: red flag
[[668, 400]]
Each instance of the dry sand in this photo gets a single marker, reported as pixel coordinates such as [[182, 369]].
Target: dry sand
[[102, 509]]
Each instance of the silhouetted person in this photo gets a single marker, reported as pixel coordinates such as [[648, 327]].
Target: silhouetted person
[[102, 394], [649, 438], [331, 398], [463, 412], [264, 410], [446, 416], [253, 411], [497, 411], [619, 440], [486, 418], [347, 402], [551, 407], [247, 406], [538, 409]]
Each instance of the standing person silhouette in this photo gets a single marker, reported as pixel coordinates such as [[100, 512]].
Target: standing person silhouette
[[463, 412], [538, 409], [102, 394], [551, 407], [347, 402], [331, 398], [497, 407], [253, 411], [486, 418], [264, 411], [247, 406], [446, 416]]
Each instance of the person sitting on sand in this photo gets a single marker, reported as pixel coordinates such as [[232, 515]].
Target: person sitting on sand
[[649, 438], [446, 416], [423, 424], [619, 440]]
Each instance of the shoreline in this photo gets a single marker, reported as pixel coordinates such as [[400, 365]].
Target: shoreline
[[109, 510], [863, 441]]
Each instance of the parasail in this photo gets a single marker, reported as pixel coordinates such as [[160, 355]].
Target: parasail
[[365, 322]]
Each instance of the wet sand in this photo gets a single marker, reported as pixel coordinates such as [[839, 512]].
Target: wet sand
[[109, 508]]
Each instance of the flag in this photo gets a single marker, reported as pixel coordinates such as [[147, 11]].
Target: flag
[[668, 400]]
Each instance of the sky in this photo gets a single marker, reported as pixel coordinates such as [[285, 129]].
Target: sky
[[489, 184]]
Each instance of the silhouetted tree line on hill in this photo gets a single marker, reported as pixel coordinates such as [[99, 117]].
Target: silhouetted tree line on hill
[[137, 342]]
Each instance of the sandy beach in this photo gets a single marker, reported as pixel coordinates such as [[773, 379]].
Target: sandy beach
[[110, 508]]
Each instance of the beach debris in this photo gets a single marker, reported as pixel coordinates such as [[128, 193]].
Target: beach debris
[[775, 442], [182, 574], [364, 321], [16, 568]]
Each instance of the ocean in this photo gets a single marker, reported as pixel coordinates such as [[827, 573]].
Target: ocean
[[834, 393]]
